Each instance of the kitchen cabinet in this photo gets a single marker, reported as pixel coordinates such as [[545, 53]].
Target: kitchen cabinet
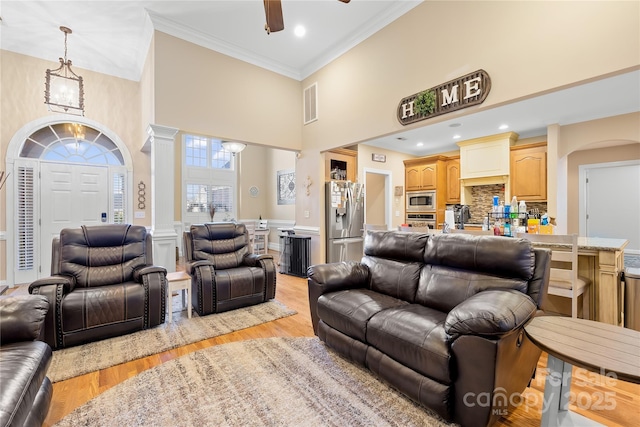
[[341, 164], [486, 157], [529, 172], [421, 177], [452, 167]]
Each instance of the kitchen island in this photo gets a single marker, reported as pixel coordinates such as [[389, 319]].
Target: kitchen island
[[602, 261]]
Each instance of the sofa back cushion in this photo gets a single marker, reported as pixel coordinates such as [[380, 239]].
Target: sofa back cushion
[[103, 254], [458, 266], [224, 244], [395, 261]]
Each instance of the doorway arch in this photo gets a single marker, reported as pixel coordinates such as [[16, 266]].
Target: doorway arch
[[25, 155]]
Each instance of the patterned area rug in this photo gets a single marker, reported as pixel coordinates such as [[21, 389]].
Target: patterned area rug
[[262, 382], [74, 361]]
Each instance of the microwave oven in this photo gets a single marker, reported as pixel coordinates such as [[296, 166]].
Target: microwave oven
[[421, 201]]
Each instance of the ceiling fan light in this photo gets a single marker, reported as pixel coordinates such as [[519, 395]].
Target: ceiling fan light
[[300, 31]]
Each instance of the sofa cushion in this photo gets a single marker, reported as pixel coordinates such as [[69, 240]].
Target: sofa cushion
[[443, 288], [89, 307], [494, 255], [239, 282], [398, 279], [22, 371], [223, 244], [349, 311], [414, 336]]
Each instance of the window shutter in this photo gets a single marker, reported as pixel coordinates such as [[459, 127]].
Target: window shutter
[[118, 198], [25, 258]]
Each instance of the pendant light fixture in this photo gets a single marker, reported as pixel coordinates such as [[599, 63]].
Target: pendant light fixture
[[63, 89]]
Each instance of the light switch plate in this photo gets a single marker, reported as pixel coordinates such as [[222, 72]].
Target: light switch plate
[[140, 214]]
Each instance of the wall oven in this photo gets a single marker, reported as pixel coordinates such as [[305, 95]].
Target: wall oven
[[425, 219], [421, 201]]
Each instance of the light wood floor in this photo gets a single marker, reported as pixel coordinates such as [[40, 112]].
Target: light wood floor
[[591, 390]]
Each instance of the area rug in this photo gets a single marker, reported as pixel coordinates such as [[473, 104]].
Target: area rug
[[74, 361], [261, 382]]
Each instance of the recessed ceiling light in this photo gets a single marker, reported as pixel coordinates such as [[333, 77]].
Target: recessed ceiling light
[[455, 125], [300, 31], [503, 127], [456, 136], [419, 144], [401, 138]]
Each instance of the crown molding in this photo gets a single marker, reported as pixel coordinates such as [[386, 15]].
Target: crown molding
[[197, 37]]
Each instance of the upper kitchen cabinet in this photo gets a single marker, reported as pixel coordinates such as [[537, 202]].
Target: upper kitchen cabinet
[[424, 173], [452, 167], [529, 172], [341, 164]]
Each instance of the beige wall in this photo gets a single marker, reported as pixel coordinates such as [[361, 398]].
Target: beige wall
[[523, 46], [207, 93], [374, 211], [582, 143]]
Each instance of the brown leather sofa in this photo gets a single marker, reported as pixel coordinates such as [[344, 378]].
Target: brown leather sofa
[[439, 317], [225, 275], [25, 390], [103, 284]]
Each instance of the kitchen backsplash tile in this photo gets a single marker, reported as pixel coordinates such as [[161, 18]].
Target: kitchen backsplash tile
[[482, 202]]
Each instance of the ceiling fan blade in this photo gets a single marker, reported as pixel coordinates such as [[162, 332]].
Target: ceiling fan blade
[[273, 12], [345, 1]]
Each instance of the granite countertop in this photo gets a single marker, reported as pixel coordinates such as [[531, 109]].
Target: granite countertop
[[594, 244]]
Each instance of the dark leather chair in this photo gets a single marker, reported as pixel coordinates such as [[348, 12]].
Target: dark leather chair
[[103, 284], [225, 275], [25, 390]]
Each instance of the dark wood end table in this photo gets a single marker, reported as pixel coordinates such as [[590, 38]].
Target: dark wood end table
[[599, 347]]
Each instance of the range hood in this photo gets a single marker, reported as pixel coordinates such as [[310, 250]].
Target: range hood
[[486, 160]]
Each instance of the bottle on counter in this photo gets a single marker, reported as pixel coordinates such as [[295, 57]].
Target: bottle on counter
[[522, 208], [514, 207]]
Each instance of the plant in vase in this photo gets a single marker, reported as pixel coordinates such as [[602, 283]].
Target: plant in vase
[[212, 211]]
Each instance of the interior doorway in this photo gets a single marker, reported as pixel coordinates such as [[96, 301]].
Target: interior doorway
[[610, 202], [377, 190]]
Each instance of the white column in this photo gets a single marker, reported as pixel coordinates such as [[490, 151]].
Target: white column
[[161, 146]]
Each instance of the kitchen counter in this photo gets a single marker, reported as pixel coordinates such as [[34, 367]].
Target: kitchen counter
[[601, 260]]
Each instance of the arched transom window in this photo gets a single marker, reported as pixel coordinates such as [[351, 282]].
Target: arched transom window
[[72, 142]]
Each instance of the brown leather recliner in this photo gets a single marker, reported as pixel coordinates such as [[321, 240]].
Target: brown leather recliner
[[103, 284], [25, 390], [224, 274], [439, 317]]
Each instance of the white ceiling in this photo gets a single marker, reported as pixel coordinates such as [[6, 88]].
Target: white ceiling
[[113, 37]]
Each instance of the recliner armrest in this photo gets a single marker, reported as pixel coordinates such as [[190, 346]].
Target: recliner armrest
[[22, 317], [191, 266], [137, 274], [490, 313], [68, 283], [251, 260]]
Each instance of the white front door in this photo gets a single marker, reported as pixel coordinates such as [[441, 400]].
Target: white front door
[[71, 195]]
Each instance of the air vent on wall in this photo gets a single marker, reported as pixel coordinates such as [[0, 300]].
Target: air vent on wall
[[311, 104]]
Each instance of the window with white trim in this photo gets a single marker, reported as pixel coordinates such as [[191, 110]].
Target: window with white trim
[[209, 180]]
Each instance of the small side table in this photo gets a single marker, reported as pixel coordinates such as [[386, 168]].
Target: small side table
[[595, 346], [179, 281]]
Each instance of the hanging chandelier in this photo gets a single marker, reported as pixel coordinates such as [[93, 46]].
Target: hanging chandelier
[[63, 89]]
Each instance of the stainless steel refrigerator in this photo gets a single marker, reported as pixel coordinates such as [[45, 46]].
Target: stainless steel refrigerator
[[345, 220]]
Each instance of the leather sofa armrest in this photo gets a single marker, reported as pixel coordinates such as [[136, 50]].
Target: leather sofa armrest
[[252, 260], [490, 313], [190, 267], [22, 317], [137, 274], [324, 278], [338, 275], [68, 283]]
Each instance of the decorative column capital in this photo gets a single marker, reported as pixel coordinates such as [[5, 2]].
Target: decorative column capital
[[160, 132]]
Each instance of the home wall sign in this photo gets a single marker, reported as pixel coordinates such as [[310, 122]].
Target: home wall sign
[[463, 92]]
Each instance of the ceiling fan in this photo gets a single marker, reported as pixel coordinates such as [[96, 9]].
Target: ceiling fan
[[273, 12]]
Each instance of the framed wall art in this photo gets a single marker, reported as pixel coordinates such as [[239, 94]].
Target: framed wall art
[[286, 184]]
